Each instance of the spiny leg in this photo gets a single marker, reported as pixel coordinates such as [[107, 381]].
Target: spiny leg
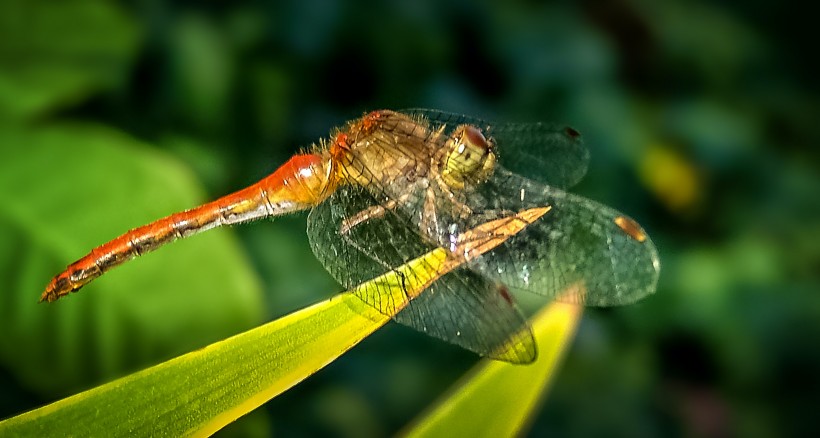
[[373, 212]]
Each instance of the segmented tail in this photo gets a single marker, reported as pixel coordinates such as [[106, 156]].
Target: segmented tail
[[302, 182]]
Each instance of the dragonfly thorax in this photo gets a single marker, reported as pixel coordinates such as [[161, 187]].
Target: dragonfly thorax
[[383, 149]]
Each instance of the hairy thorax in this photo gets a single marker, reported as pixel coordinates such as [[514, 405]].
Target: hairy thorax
[[385, 151]]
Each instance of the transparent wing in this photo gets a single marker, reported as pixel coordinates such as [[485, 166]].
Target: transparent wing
[[461, 307], [550, 153], [365, 251], [468, 310], [578, 240]]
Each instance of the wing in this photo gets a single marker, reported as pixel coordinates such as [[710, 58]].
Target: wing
[[578, 240], [365, 251], [461, 307], [549, 153], [466, 309]]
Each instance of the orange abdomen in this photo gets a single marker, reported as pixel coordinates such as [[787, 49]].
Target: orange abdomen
[[302, 182]]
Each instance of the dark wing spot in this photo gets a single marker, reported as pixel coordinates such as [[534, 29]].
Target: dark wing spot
[[505, 293], [573, 134]]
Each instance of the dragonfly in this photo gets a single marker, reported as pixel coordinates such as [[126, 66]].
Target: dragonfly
[[391, 186]]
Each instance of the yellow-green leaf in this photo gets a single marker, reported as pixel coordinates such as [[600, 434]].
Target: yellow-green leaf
[[499, 398], [202, 391]]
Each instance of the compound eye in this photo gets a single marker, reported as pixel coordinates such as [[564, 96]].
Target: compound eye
[[470, 157], [475, 138], [469, 153]]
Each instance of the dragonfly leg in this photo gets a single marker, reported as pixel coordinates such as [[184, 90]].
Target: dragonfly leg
[[365, 215], [372, 212], [461, 209]]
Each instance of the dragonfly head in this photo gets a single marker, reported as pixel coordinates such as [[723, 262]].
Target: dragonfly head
[[469, 158]]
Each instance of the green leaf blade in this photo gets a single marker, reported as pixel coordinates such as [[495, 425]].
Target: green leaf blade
[[499, 398], [201, 392]]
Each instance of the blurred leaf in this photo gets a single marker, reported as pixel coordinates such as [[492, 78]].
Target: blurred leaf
[[53, 53], [718, 51], [272, 100], [65, 189], [202, 70], [671, 176], [718, 133], [499, 398], [207, 161]]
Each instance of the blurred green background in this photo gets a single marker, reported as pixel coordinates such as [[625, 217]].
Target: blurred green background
[[702, 118]]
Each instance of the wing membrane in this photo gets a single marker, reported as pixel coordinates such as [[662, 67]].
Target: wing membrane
[[466, 309], [553, 154], [461, 307], [579, 240]]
